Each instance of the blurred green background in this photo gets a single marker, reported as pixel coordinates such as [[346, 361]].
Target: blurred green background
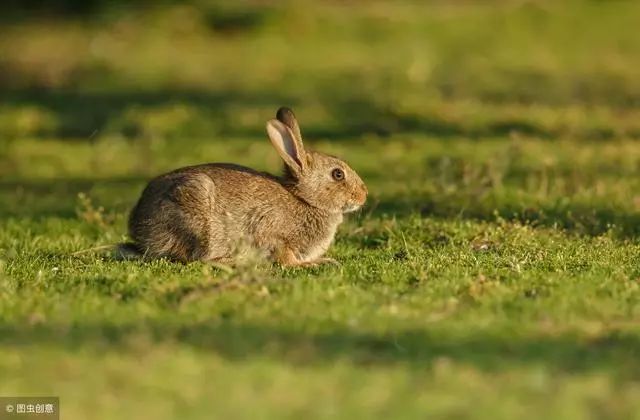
[[493, 273], [90, 69], [104, 89]]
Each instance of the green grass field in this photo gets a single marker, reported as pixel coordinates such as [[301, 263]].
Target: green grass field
[[494, 273]]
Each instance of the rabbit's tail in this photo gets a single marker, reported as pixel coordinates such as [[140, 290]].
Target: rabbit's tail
[[127, 251]]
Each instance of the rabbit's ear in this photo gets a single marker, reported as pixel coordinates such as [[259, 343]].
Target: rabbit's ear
[[289, 148], [287, 117]]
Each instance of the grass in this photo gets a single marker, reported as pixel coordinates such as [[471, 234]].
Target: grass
[[493, 273]]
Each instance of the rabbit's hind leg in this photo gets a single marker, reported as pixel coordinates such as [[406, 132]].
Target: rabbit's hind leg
[[287, 258], [189, 219]]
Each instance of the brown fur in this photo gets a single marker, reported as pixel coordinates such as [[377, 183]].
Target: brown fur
[[201, 212]]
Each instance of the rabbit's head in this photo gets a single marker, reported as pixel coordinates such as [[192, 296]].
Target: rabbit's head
[[321, 180]]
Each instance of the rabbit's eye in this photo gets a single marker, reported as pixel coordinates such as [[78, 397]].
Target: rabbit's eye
[[337, 174]]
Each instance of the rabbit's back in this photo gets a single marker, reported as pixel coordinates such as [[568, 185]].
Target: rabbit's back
[[196, 213]]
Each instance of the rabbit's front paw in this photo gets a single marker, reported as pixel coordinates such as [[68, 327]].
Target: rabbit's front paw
[[320, 261], [326, 260]]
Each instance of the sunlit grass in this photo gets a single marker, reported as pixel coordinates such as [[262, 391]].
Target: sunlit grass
[[492, 274]]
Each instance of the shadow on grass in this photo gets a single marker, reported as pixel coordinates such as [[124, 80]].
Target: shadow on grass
[[578, 218], [59, 197], [80, 115], [359, 115], [421, 347]]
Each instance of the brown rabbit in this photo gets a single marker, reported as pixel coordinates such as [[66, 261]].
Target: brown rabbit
[[198, 212]]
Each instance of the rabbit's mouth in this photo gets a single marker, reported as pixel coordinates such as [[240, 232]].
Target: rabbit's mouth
[[350, 208]]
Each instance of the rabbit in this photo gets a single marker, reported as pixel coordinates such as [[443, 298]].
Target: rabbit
[[197, 213]]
